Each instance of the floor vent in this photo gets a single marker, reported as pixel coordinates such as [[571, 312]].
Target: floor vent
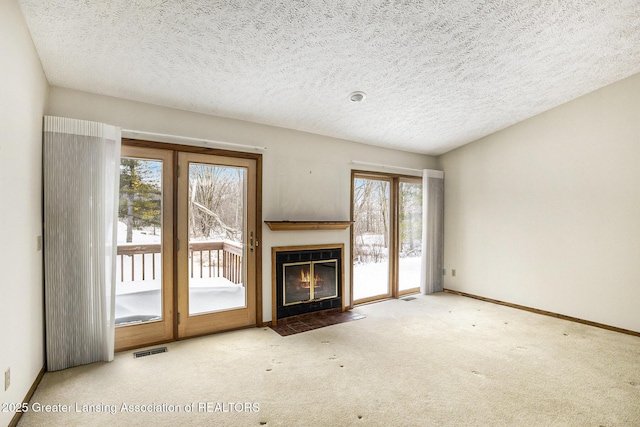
[[408, 299], [149, 352]]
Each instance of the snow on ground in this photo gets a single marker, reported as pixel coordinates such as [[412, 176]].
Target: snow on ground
[[138, 235], [410, 272], [372, 279]]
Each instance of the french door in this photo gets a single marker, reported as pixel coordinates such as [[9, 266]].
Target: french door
[[217, 243], [144, 311], [186, 245], [386, 236]]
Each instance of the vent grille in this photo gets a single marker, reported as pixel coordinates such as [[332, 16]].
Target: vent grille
[[149, 352], [408, 299]]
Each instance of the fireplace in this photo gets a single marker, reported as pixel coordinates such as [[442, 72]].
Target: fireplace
[[306, 279]]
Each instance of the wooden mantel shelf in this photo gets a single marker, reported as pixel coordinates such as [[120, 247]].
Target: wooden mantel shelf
[[308, 225]]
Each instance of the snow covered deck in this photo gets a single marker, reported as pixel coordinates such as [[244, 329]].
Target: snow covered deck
[[141, 300], [215, 278]]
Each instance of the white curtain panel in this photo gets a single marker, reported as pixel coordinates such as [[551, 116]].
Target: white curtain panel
[[81, 161], [432, 231]]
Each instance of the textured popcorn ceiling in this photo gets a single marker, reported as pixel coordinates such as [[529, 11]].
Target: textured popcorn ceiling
[[437, 73]]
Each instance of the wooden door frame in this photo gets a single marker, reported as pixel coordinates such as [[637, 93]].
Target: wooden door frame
[[175, 148]]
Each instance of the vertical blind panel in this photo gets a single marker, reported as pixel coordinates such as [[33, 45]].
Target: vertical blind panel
[[80, 178], [80, 128], [433, 231]]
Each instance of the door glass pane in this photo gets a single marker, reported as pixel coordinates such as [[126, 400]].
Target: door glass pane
[[371, 207], [217, 196], [410, 218], [139, 263]]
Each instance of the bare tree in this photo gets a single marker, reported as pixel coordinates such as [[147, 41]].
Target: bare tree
[[216, 202], [371, 216], [410, 219]]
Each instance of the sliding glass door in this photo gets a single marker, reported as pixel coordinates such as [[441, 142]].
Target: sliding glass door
[[386, 236]]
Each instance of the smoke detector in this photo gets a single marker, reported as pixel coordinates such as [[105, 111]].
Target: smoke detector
[[357, 96]]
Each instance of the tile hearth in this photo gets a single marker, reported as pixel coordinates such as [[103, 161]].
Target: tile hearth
[[307, 322]]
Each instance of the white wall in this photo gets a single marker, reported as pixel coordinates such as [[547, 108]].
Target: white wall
[[546, 213], [305, 176], [23, 91]]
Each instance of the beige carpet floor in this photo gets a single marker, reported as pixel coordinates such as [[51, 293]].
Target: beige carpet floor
[[439, 360]]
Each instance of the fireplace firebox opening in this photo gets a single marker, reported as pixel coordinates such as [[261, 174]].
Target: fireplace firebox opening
[[307, 279]]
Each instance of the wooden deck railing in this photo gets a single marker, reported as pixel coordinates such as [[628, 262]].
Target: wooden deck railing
[[206, 260], [130, 251], [216, 259]]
